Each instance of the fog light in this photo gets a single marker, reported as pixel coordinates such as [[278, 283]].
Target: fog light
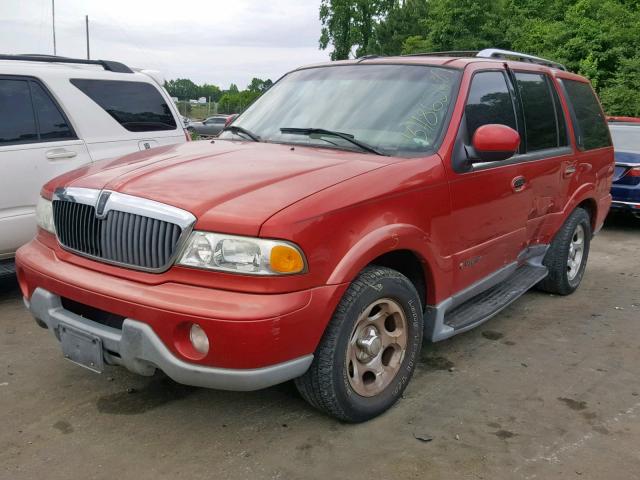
[[199, 339]]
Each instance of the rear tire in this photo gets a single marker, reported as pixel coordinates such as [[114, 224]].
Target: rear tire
[[567, 255], [369, 350]]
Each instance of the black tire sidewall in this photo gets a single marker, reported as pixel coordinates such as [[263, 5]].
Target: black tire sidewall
[[579, 217], [402, 291]]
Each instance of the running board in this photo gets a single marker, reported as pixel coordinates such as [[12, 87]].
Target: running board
[[449, 319]]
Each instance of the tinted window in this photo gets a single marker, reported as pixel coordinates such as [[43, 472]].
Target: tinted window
[[137, 106], [17, 122], [591, 128], [52, 124], [214, 120], [563, 139], [489, 102], [539, 112]]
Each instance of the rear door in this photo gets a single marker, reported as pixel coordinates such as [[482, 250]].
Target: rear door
[[594, 155], [548, 161], [37, 143]]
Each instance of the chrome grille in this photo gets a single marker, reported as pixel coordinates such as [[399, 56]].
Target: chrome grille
[[119, 237]]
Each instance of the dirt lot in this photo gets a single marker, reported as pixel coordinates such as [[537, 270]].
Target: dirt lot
[[548, 389]]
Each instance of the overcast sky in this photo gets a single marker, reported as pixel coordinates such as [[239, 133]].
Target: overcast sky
[[213, 41]]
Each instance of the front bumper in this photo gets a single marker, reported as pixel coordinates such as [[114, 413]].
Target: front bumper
[[139, 349], [256, 339]]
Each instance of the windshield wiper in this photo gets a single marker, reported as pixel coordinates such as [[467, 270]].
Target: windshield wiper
[[237, 130], [345, 136]]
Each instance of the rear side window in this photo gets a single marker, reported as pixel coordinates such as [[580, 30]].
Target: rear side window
[[53, 125], [590, 126], [137, 106], [540, 120], [17, 121], [489, 101]]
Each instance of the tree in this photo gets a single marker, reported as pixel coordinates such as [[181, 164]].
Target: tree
[[596, 38], [403, 21], [349, 23], [621, 95], [182, 88], [212, 92], [258, 85]]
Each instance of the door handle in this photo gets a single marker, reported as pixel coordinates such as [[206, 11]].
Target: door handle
[[569, 170], [60, 153], [518, 184]]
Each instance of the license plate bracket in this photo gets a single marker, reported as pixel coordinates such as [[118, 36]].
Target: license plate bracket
[[81, 348]]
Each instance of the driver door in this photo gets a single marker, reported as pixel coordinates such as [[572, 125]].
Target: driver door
[[489, 203]]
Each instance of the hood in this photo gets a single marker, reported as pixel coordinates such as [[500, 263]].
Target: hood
[[231, 187]]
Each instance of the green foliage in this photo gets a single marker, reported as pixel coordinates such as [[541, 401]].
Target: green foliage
[[596, 38], [233, 100], [236, 102], [349, 23], [621, 96], [259, 86]]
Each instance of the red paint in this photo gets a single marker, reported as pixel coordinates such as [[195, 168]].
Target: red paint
[[496, 138], [623, 119], [343, 209]]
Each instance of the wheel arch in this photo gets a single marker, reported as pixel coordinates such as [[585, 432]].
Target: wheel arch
[[404, 248], [591, 206]]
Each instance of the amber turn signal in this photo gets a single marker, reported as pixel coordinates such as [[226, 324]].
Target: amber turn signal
[[286, 259]]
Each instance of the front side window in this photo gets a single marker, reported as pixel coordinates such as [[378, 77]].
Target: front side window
[[489, 101], [397, 109], [541, 129], [591, 128], [137, 106], [17, 121]]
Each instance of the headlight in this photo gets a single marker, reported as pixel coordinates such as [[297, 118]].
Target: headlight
[[230, 253], [44, 215]]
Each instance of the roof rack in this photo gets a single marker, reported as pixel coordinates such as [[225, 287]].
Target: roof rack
[[106, 64], [451, 53], [492, 53], [522, 57]]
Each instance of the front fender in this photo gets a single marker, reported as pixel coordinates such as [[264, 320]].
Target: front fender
[[387, 239]]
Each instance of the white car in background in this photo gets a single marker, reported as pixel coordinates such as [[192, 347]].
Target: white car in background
[[57, 114]]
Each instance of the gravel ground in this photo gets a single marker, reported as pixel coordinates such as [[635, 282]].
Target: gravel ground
[[547, 389]]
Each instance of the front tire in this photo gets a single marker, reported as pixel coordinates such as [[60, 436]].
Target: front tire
[[567, 255], [369, 350]]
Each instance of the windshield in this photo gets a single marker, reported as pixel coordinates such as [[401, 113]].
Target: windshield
[[396, 109]]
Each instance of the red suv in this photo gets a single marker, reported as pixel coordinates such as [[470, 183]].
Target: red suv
[[356, 208]]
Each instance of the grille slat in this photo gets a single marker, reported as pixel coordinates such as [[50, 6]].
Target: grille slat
[[124, 238]]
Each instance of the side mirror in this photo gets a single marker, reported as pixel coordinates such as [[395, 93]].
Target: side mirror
[[494, 142]]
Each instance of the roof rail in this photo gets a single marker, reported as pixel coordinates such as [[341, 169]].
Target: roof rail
[[106, 64], [451, 53], [522, 57]]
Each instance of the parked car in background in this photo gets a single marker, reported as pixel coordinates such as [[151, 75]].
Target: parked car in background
[[57, 114], [625, 132], [351, 211], [230, 119], [209, 126]]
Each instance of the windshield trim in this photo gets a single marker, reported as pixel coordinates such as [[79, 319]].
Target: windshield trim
[[430, 150]]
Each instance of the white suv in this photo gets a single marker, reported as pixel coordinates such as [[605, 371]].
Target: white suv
[[57, 114]]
